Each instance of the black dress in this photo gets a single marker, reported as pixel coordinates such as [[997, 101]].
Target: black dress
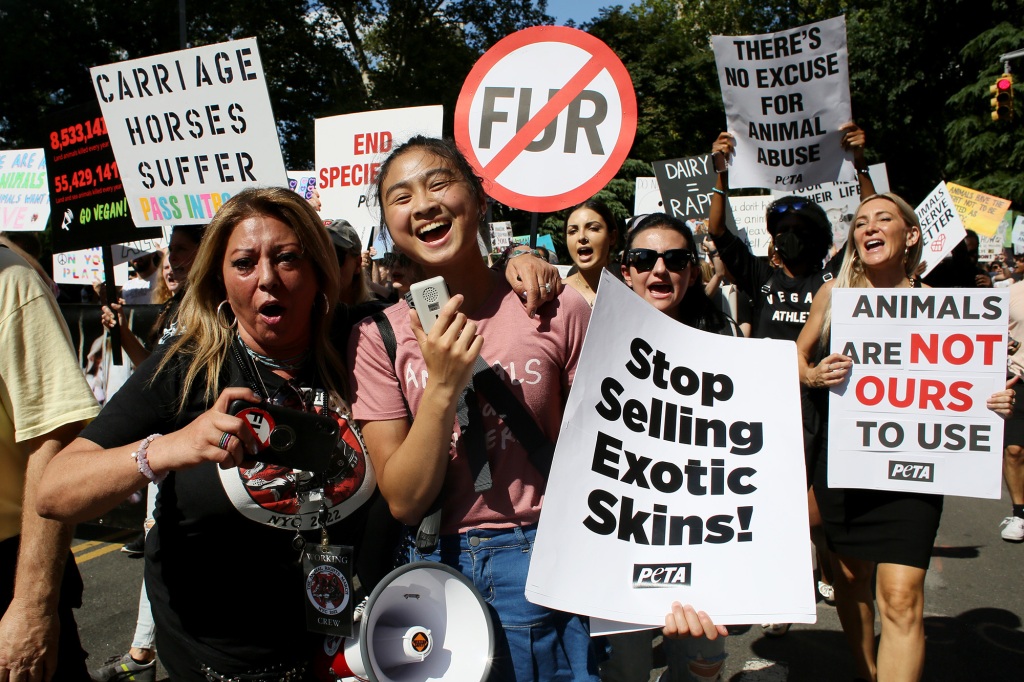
[[874, 525]]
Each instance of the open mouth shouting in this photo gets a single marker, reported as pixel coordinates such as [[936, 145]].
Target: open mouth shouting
[[584, 254], [660, 289], [272, 312], [873, 245]]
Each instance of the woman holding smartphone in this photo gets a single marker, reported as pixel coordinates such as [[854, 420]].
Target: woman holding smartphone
[[431, 204]]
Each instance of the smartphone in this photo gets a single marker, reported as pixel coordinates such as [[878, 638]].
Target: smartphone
[[289, 438], [427, 298], [720, 162]]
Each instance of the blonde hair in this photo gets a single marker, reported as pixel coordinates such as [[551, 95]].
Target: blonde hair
[[204, 341], [852, 275]]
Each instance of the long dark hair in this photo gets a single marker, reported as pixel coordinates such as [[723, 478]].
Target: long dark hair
[[696, 309]]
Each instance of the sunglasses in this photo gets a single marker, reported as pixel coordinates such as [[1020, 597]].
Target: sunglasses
[[779, 209], [288, 395], [644, 260]]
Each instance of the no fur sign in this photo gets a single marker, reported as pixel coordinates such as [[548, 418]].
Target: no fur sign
[[547, 115]]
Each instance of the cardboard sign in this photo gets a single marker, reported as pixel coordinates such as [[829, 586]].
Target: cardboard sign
[[86, 190], [647, 197], [751, 218], [24, 195], [349, 151], [686, 189], [840, 200], [912, 415], [547, 115], [501, 235], [941, 227], [85, 266], [786, 94], [979, 211], [189, 130], [674, 471]]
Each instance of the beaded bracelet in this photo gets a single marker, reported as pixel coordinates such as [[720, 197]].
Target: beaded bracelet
[[717, 191], [142, 459]]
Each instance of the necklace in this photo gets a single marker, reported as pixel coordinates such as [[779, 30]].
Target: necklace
[[292, 364], [585, 283]]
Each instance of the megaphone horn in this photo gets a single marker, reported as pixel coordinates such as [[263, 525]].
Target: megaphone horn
[[424, 621]]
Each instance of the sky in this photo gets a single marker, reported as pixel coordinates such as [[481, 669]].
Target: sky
[[579, 10]]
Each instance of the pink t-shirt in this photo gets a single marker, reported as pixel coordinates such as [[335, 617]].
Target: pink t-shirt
[[537, 358]]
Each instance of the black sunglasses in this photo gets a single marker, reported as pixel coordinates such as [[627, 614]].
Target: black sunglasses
[[779, 209], [644, 260]]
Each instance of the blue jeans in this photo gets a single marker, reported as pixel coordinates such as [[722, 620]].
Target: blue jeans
[[533, 643]]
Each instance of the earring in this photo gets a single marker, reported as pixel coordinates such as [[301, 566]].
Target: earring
[[327, 304], [222, 319]]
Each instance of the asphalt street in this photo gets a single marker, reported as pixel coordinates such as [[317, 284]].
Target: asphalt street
[[974, 609]]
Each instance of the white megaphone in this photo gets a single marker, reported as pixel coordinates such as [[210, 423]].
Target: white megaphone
[[424, 621]]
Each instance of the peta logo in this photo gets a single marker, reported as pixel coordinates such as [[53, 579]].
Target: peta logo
[[660, 575], [912, 471]]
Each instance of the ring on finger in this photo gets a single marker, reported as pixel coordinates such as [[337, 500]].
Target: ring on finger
[[547, 287], [225, 437]]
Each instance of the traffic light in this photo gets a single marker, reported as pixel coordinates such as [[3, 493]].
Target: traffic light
[[1002, 100]]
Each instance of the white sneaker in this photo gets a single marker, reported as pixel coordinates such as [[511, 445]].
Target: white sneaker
[[1013, 529]]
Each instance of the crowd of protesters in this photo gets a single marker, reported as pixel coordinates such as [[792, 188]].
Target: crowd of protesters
[[268, 303]]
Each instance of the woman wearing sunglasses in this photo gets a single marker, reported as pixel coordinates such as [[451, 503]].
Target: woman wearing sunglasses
[[801, 235], [876, 535], [221, 562]]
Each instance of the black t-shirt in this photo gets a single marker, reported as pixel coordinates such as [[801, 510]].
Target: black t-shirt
[[781, 303], [222, 575]]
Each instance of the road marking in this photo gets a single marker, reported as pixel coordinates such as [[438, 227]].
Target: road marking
[[762, 670], [110, 543]]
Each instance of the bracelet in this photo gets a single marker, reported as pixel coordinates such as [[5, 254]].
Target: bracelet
[[717, 191], [141, 458], [712, 253], [532, 252]]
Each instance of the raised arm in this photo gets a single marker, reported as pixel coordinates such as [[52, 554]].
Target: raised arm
[[855, 140], [721, 150]]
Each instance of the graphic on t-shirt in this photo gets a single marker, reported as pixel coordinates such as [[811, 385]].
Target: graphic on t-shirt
[[290, 498], [327, 590]]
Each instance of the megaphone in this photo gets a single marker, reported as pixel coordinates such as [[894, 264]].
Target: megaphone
[[424, 621]]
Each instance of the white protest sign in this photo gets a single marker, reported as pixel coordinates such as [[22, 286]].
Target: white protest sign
[[786, 94], [24, 191], [501, 235], [912, 415], [189, 130], [675, 470], [85, 266], [1018, 234], [751, 220], [647, 197], [941, 227], [547, 115], [350, 149], [840, 200]]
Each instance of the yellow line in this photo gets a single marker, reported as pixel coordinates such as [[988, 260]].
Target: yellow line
[[82, 558], [113, 537]]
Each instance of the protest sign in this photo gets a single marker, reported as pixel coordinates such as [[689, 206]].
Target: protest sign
[[647, 197], [750, 214], [912, 415], [501, 235], [686, 189], [1017, 234], [979, 211], [350, 149], [24, 195], [680, 465], [189, 130], [544, 240], [786, 94], [302, 182], [85, 266], [840, 200], [86, 190], [941, 227], [546, 116]]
